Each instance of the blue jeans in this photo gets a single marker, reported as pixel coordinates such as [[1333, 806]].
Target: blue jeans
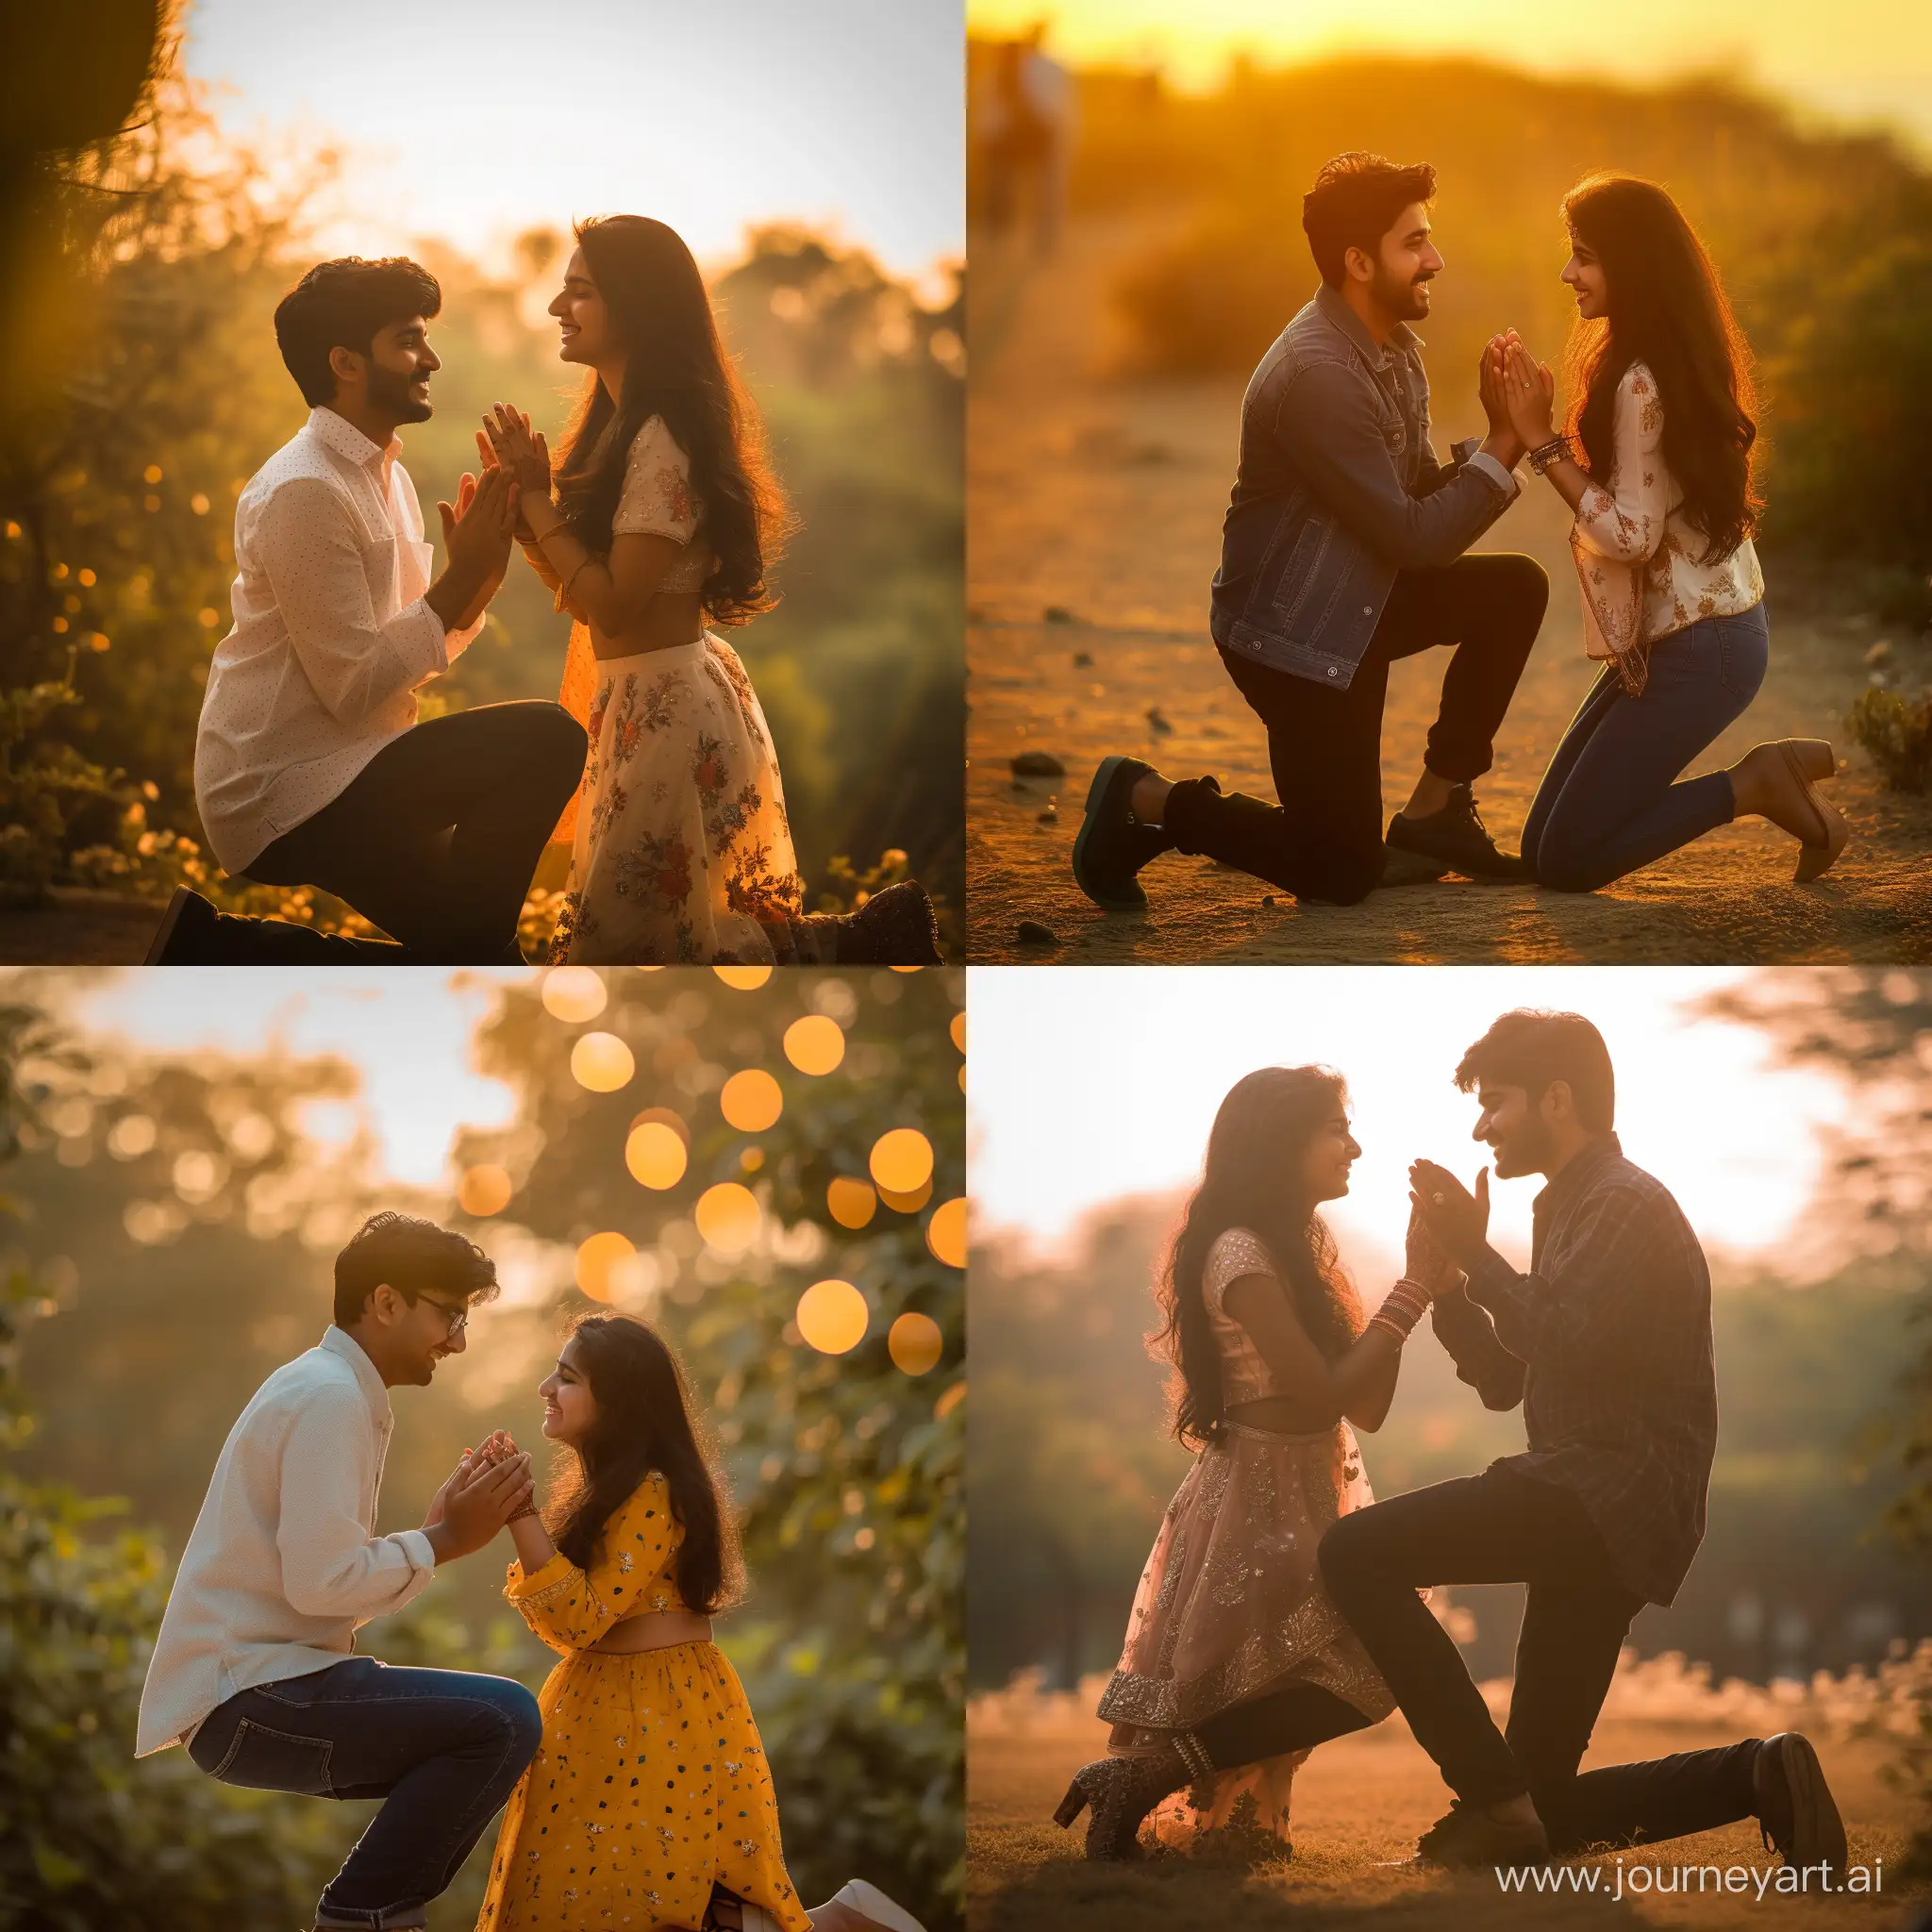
[[1608, 802], [443, 1747]]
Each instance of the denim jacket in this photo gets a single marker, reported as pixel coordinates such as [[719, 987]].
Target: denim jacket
[[1336, 491]]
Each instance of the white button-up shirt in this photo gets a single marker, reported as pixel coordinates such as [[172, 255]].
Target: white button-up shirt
[[283, 1564], [331, 636]]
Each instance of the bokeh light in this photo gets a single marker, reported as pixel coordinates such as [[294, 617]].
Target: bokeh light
[[600, 1261], [914, 1342], [484, 1189], [850, 1202], [833, 1317], [814, 1044], [908, 1204], [945, 1233], [602, 1063], [751, 1101], [727, 1217], [574, 993], [655, 1154], [901, 1162], [959, 1029], [745, 978]]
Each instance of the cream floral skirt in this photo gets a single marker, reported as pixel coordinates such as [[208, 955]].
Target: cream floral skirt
[[1231, 1605], [681, 851]]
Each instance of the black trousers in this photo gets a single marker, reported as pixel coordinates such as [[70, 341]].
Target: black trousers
[[1296, 1718], [1323, 839], [1503, 1527], [434, 841]]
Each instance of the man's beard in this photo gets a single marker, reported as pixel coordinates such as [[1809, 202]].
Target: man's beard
[[1524, 1152], [1403, 300], [389, 392]]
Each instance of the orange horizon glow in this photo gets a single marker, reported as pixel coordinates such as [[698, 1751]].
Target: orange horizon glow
[[1863, 62]]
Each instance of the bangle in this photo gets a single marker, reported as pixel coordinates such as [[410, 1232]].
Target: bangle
[[1402, 1309], [1554, 451]]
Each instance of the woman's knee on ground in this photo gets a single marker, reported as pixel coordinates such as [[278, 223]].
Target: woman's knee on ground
[[1569, 857]]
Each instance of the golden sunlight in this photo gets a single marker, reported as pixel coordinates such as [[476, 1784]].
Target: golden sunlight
[[833, 1317]]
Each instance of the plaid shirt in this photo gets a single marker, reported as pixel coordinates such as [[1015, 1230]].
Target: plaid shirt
[[1607, 1343]]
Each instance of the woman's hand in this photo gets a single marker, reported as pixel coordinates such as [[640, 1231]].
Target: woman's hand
[[1427, 1262], [1529, 390], [521, 450]]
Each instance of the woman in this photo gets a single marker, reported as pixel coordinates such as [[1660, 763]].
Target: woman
[[1656, 461], [648, 1803], [1236, 1663], [665, 516]]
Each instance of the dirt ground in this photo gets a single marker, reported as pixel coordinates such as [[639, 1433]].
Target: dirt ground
[[1095, 506], [1358, 1805]]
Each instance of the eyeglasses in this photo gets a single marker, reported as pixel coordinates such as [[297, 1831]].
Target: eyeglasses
[[458, 1318]]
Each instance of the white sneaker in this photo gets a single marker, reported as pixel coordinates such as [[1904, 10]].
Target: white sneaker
[[858, 1895]]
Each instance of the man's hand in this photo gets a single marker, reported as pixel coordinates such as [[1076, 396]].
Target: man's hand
[[456, 1476], [476, 535], [1503, 442], [473, 1510], [1458, 1219]]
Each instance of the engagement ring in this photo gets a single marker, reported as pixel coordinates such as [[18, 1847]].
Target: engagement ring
[[1438, 1199]]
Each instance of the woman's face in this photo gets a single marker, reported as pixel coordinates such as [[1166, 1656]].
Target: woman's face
[[1329, 1157], [569, 1408], [1583, 274], [584, 329]]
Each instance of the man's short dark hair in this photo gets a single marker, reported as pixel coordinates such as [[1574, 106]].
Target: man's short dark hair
[[341, 305], [1532, 1050], [416, 1257], [1354, 202]]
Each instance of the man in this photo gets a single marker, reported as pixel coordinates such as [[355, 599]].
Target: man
[[1343, 550], [310, 767], [1606, 1342], [253, 1669]]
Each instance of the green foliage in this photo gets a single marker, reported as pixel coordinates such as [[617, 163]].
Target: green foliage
[[1820, 237], [117, 498], [1895, 733]]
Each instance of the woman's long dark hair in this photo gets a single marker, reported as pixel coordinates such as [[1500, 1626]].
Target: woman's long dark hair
[[1252, 1179], [643, 1424], [675, 367], [1666, 309]]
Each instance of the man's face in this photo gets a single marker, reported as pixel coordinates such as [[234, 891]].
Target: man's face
[[397, 371], [429, 1328], [1407, 262], [1513, 1128]]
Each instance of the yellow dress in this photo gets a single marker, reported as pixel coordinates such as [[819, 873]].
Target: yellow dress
[[650, 1785]]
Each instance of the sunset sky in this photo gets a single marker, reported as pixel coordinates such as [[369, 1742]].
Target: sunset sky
[[474, 119], [1858, 60], [1091, 1083]]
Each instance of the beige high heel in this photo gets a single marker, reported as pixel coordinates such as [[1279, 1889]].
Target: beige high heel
[[1808, 759]]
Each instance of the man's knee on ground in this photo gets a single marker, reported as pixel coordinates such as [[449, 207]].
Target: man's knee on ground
[[1566, 861]]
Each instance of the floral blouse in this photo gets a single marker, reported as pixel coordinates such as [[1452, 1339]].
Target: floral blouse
[[1638, 560], [631, 1572]]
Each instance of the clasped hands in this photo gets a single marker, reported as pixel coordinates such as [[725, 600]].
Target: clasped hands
[[489, 1486], [1519, 394]]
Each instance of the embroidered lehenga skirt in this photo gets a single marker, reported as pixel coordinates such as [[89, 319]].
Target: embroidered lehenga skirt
[[1231, 1605]]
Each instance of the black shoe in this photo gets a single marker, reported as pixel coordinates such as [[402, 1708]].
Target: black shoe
[[1469, 1838], [1121, 1791], [1796, 1812], [1458, 837], [1112, 844], [895, 927], [186, 934], [1408, 869]]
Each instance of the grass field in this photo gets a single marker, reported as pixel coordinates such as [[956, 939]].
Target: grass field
[[1359, 1805]]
